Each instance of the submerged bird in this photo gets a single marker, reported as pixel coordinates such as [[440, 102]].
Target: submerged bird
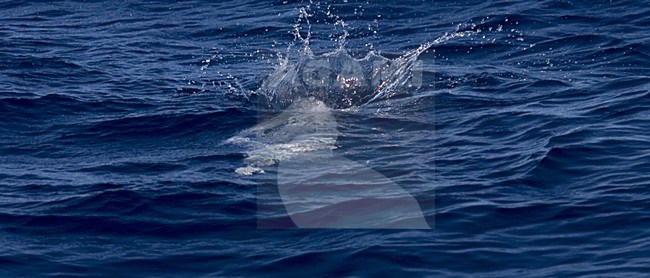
[[318, 187]]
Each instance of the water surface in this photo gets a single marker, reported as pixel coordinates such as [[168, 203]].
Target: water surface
[[525, 144]]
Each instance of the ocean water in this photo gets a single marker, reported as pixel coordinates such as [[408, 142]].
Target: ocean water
[[200, 138]]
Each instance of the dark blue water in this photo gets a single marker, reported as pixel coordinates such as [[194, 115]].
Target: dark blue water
[[527, 145]]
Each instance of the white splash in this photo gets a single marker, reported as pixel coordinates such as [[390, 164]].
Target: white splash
[[318, 187]]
